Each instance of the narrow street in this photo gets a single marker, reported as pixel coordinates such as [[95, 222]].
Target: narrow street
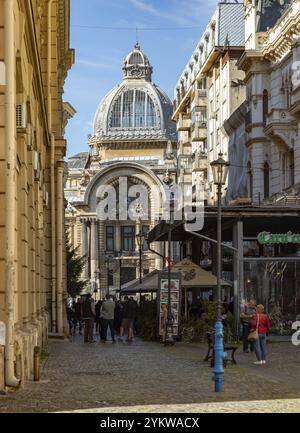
[[146, 376]]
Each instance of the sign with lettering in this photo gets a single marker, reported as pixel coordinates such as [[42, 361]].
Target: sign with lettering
[[265, 238], [2, 334]]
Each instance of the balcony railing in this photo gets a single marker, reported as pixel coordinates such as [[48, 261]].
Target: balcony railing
[[200, 161], [279, 115], [183, 124], [279, 199], [185, 162], [199, 131]]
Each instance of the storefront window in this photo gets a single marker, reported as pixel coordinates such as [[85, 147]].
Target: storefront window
[[275, 284]]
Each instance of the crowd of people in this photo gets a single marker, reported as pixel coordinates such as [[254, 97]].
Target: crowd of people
[[120, 317], [96, 318]]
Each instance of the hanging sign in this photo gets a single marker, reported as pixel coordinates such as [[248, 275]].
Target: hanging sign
[[265, 238]]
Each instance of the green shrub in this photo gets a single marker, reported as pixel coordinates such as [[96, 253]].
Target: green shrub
[[196, 330]]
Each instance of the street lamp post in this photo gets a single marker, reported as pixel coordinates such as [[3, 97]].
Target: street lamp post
[[140, 237], [169, 340], [107, 274], [120, 272], [220, 171]]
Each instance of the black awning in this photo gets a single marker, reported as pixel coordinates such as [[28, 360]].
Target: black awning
[[256, 220]]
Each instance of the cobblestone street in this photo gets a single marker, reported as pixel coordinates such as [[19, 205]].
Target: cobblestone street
[[146, 376]]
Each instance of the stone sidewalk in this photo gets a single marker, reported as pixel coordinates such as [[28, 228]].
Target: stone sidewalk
[[268, 406], [146, 376]]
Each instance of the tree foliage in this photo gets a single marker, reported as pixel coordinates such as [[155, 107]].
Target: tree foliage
[[75, 265]]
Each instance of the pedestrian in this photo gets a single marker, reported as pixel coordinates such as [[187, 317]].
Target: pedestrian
[[129, 315], [78, 315], [163, 322], [118, 316], [99, 322], [108, 313], [261, 324], [70, 317], [88, 316], [231, 305], [246, 317]]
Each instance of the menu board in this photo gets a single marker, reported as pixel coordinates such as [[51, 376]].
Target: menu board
[[175, 291]]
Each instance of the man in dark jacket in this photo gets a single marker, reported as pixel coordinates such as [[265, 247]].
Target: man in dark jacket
[[99, 322], [88, 316], [246, 318], [118, 316], [129, 315]]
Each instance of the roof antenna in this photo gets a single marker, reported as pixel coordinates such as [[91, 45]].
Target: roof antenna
[[137, 45]]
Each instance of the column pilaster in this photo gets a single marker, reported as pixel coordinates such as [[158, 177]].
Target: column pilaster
[[84, 246]]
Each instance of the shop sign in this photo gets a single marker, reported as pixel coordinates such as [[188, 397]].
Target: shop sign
[[265, 238]]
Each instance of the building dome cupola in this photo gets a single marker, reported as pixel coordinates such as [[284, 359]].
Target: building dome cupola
[[136, 65]]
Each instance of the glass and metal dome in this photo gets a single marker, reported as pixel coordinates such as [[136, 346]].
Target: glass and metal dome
[[136, 108]]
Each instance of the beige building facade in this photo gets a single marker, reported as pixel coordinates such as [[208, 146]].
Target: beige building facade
[[210, 88], [34, 59]]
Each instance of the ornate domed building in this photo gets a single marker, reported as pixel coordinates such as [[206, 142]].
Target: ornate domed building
[[134, 139]]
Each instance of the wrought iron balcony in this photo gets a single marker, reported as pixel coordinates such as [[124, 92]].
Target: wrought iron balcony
[[200, 161], [199, 132], [183, 124]]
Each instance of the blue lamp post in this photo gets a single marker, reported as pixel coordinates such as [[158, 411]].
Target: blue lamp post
[[220, 171]]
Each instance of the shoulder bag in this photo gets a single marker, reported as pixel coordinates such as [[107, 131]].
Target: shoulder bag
[[253, 335]]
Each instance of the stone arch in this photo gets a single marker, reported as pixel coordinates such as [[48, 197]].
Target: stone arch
[[129, 170]]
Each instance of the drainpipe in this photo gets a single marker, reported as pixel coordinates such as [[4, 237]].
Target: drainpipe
[[59, 242], [10, 190], [53, 234], [52, 170]]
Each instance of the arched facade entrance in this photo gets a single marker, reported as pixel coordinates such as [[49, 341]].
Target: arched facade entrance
[[132, 148], [111, 242]]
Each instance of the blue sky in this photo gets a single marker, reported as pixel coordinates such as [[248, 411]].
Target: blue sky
[[100, 52]]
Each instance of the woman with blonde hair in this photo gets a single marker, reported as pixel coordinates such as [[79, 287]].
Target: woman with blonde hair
[[261, 324]]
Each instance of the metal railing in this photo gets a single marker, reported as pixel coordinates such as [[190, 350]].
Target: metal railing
[[278, 199]]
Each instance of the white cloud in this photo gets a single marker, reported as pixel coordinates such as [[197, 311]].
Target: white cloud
[[96, 65], [181, 12], [172, 15]]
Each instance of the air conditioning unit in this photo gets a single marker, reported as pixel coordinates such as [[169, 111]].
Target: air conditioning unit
[[21, 116]]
